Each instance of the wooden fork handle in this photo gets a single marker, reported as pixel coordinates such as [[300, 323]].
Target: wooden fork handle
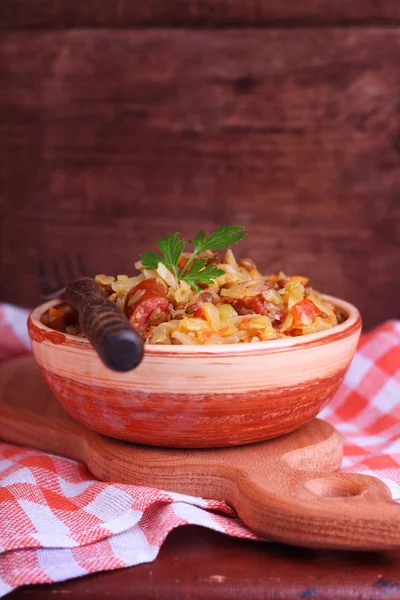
[[118, 345]]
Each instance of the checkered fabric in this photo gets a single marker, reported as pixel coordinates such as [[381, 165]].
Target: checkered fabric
[[57, 522]]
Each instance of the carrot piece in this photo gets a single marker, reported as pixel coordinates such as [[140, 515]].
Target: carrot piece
[[307, 308], [303, 280]]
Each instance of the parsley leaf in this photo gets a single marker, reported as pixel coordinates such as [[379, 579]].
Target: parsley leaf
[[221, 238], [195, 271], [150, 260], [171, 247], [200, 273]]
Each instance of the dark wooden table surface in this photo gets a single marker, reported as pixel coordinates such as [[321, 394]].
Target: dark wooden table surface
[[197, 563]]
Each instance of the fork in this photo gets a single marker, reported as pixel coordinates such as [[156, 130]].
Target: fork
[[117, 343]]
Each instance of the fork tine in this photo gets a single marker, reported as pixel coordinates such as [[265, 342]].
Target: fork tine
[[41, 278], [46, 289], [68, 269], [56, 269], [81, 265], [62, 272], [41, 271]]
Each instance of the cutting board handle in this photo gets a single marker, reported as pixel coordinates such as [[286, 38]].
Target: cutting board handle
[[345, 510], [49, 434]]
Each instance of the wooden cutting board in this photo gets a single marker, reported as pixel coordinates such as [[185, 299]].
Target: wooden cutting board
[[287, 489]]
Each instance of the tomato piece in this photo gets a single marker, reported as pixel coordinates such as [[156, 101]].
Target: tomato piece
[[198, 313], [261, 307], [151, 286], [152, 297], [295, 332], [307, 308]]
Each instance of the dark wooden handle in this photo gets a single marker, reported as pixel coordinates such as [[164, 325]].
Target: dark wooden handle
[[119, 346]]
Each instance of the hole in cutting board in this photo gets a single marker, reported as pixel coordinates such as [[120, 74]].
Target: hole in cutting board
[[337, 485]]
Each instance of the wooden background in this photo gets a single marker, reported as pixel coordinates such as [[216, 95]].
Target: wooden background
[[122, 120]]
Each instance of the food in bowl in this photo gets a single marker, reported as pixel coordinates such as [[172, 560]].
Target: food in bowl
[[198, 396], [203, 298], [231, 356]]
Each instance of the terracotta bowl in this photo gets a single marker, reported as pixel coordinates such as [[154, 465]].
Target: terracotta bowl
[[197, 397]]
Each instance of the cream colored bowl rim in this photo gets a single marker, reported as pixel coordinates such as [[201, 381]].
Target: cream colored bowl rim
[[347, 328]]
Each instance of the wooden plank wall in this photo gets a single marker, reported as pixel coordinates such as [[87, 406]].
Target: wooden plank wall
[[122, 120], [21, 14]]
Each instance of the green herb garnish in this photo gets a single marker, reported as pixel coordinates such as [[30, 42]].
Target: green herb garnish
[[171, 247], [195, 271]]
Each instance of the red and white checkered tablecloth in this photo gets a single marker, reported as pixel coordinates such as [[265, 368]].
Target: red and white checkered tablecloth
[[57, 522]]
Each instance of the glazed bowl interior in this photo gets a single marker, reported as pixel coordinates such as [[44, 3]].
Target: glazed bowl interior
[[199, 396]]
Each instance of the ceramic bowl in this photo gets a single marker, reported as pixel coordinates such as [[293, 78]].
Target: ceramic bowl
[[197, 397]]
